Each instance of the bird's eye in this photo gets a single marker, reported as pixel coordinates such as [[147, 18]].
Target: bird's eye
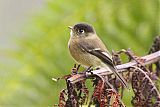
[[81, 31]]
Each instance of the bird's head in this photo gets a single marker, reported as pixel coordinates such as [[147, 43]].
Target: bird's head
[[81, 30]]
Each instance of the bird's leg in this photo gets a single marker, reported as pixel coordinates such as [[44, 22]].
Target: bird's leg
[[89, 69], [75, 69]]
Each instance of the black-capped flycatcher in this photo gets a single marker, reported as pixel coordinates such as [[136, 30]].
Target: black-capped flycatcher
[[88, 49]]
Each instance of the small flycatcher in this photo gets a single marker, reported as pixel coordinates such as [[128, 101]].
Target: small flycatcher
[[88, 49]]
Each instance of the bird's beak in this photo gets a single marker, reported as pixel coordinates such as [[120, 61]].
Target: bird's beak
[[70, 27]]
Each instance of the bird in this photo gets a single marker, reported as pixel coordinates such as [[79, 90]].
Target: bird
[[87, 49]]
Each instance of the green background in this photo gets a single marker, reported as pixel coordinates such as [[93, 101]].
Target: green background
[[43, 53]]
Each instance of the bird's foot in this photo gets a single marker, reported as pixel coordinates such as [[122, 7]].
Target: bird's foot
[[75, 68], [88, 70]]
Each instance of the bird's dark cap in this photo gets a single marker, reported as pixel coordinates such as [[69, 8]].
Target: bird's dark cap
[[84, 26]]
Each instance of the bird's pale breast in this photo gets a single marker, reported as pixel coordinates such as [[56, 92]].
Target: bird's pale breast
[[81, 56]]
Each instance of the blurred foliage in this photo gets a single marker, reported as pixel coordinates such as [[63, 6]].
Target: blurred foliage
[[42, 53]]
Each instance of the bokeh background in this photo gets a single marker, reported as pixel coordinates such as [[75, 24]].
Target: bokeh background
[[34, 36]]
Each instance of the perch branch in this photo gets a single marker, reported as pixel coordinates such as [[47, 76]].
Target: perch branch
[[148, 59]]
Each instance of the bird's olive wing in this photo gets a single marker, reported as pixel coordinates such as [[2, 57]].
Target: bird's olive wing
[[102, 55]]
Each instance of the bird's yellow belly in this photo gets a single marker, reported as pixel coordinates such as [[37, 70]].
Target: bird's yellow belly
[[88, 60], [85, 58]]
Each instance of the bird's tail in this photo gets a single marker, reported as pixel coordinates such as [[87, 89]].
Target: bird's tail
[[119, 76]]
